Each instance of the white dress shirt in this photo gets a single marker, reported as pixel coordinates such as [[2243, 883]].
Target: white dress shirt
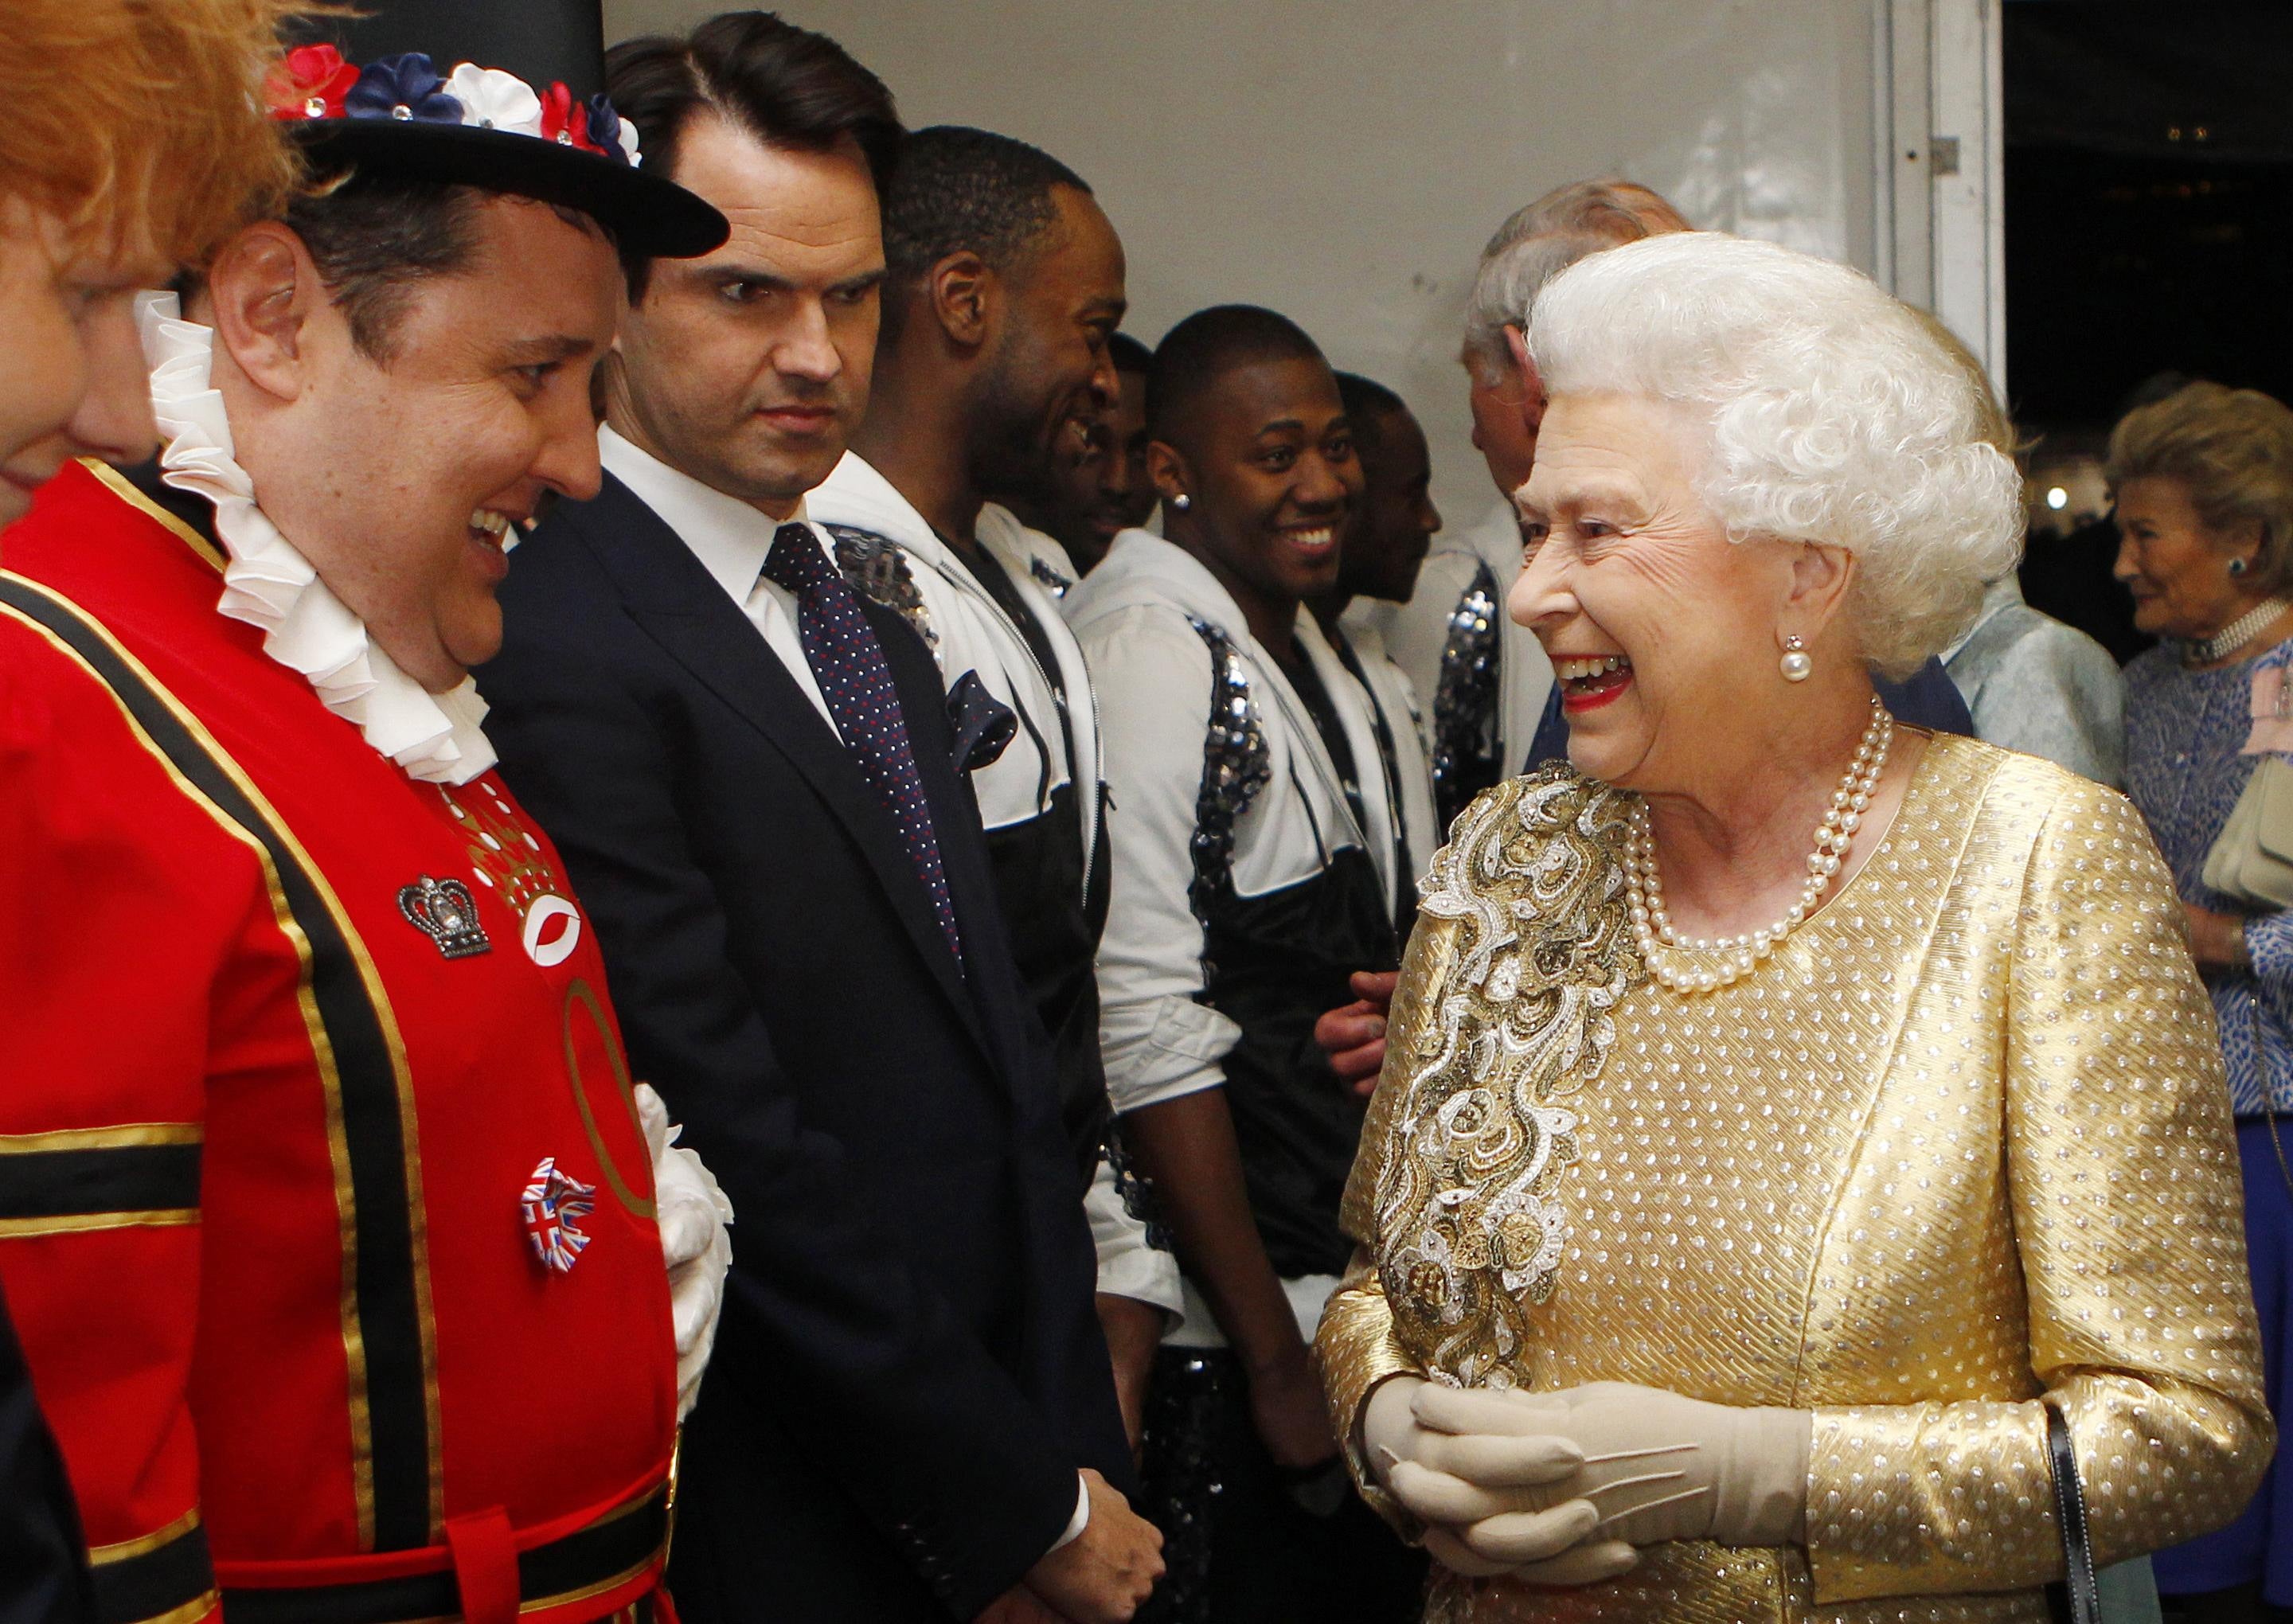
[[731, 539]]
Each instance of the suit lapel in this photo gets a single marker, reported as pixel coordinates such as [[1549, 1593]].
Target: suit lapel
[[680, 606]]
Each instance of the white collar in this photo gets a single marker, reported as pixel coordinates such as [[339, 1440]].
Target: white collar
[[731, 538], [267, 584], [1143, 567], [855, 492]]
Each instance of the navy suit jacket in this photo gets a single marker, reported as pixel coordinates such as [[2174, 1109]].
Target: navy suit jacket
[[909, 1370]]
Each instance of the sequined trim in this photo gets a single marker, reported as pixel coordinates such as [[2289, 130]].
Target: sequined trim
[[1052, 581], [1236, 766], [877, 566], [1465, 743], [1470, 1223], [1135, 1189]]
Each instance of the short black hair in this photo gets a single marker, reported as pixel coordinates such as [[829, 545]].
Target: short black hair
[[1128, 354], [374, 235], [959, 190], [1209, 345], [1368, 403], [786, 86]]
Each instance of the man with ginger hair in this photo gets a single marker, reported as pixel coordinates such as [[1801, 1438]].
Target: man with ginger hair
[[105, 186]]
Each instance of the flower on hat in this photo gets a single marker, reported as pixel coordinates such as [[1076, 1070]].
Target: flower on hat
[[493, 100], [611, 131], [402, 88], [310, 84], [566, 121]]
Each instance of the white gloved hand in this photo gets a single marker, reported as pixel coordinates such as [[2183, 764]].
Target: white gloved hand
[[1495, 1496], [1658, 1466], [694, 1213]]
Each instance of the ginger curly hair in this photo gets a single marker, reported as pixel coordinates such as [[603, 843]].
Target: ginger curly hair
[[140, 124]]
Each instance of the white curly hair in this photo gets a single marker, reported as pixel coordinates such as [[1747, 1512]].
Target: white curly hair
[[1832, 415]]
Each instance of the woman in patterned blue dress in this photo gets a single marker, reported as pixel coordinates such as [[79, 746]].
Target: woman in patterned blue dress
[[2204, 485]]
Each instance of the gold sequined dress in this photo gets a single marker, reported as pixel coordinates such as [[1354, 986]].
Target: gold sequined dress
[[1963, 1140]]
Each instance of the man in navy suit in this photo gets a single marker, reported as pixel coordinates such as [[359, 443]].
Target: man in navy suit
[[757, 777]]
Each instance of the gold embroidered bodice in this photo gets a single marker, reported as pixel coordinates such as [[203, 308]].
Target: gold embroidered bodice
[[1961, 1140]]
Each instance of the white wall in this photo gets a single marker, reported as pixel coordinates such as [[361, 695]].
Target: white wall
[[1343, 160]]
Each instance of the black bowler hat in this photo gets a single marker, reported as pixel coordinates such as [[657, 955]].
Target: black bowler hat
[[499, 95]]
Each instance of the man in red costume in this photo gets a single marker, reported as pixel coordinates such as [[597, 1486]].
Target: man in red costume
[[333, 1222]]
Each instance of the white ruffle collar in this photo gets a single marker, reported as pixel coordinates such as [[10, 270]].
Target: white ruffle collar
[[436, 737]]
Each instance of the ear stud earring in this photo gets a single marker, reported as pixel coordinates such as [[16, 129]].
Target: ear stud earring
[[1182, 501]]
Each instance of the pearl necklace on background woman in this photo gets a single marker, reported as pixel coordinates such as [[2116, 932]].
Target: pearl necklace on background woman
[[1665, 949], [2214, 649]]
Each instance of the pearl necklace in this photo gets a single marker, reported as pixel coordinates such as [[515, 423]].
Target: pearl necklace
[[1665, 949], [2212, 650]]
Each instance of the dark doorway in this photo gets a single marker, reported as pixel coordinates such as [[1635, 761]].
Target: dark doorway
[[2149, 213]]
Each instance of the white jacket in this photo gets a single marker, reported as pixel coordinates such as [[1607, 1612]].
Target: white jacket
[[1399, 701], [1135, 615]]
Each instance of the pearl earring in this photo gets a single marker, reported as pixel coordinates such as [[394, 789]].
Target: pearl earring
[[1796, 664], [1182, 501]]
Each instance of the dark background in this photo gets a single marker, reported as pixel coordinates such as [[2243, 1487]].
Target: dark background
[[2149, 224], [2149, 200]]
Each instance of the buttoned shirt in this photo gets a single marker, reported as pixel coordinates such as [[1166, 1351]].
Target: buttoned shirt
[[731, 539]]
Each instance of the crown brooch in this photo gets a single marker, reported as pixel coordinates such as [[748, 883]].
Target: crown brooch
[[444, 911]]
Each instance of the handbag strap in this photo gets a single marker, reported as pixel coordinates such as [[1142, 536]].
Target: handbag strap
[[2070, 1509]]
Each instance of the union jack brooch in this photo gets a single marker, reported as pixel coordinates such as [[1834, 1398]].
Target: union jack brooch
[[551, 1203]]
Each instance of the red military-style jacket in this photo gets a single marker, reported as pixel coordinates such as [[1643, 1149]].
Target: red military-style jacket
[[284, 1037]]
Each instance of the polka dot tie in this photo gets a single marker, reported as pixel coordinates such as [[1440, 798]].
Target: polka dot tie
[[855, 679]]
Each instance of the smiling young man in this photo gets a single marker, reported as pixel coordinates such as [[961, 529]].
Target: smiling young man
[[1097, 487], [1253, 868], [755, 774], [268, 903]]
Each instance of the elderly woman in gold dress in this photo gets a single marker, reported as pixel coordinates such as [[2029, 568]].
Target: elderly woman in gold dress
[[1782, 1110]]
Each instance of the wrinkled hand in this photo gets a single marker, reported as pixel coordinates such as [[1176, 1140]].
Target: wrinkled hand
[[1292, 1415], [1102, 1574], [693, 1213], [2216, 940], [1354, 1037], [1494, 1481]]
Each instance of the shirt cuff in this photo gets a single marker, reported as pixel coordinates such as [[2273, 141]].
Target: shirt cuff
[[1079, 1521]]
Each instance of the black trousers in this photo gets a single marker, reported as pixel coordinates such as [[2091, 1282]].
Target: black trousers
[[1244, 1544]]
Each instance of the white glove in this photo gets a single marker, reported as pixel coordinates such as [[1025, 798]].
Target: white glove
[[694, 1214], [1659, 1466], [1498, 1499]]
